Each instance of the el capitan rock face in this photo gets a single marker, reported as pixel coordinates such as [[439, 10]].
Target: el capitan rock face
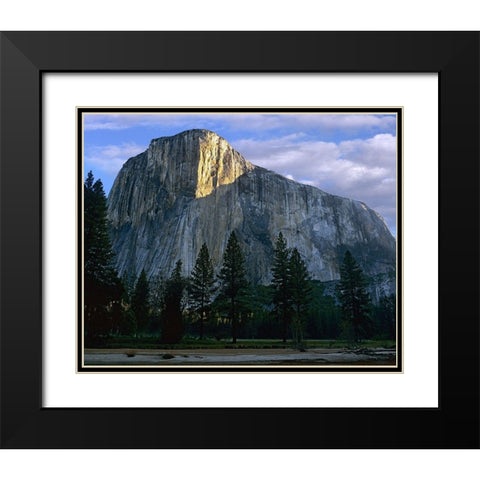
[[194, 187]]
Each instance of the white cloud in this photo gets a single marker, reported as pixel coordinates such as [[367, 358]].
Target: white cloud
[[250, 122], [110, 158], [345, 122], [124, 121], [360, 169], [363, 169]]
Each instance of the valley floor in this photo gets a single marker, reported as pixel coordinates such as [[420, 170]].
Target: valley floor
[[227, 357]]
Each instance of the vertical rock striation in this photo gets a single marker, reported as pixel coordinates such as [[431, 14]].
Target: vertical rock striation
[[194, 187]]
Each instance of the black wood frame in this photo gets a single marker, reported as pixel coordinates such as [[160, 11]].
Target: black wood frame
[[25, 56]]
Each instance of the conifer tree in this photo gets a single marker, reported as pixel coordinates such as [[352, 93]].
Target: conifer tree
[[172, 315], [300, 291], [141, 302], [102, 287], [386, 316], [202, 281], [129, 281], [280, 284], [156, 301], [233, 280], [354, 299]]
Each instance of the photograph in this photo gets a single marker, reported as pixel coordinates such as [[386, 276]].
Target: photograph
[[275, 231], [240, 239]]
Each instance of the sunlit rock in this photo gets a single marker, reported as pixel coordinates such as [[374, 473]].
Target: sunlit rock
[[194, 187]]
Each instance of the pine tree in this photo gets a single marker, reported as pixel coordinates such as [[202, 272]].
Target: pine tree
[[233, 280], [102, 287], [157, 296], [385, 316], [201, 285], [280, 284], [300, 291], [129, 281], [172, 315], [141, 302], [354, 299]]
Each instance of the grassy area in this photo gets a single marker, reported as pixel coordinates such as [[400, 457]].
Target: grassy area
[[195, 343]]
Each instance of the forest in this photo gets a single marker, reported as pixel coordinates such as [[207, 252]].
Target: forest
[[200, 307]]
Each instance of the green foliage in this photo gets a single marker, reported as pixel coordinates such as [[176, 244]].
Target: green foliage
[[281, 284], [193, 343], [354, 299], [201, 286], [102, 287], [291, 290], [233, 281], [384, 317], [141, 302], [156, 313], [128, 325], [300, 293], [98, 260], [324, 315], [157, 296], [172, 314], [263, 323], [128, 281]]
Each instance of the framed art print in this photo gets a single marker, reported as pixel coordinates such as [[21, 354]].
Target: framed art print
[[223, 265], [279, 234]]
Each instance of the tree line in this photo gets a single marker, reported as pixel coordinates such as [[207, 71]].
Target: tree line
[[226, 305]]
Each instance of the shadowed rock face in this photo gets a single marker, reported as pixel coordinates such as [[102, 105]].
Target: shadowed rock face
[[194, 187]]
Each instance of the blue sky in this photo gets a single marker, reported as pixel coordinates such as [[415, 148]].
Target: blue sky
[[352, 155]]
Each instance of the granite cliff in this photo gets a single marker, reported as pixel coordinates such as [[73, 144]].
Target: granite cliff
[[194, 187]]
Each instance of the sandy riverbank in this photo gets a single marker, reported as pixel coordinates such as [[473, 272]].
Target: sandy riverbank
[[314, 356]]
